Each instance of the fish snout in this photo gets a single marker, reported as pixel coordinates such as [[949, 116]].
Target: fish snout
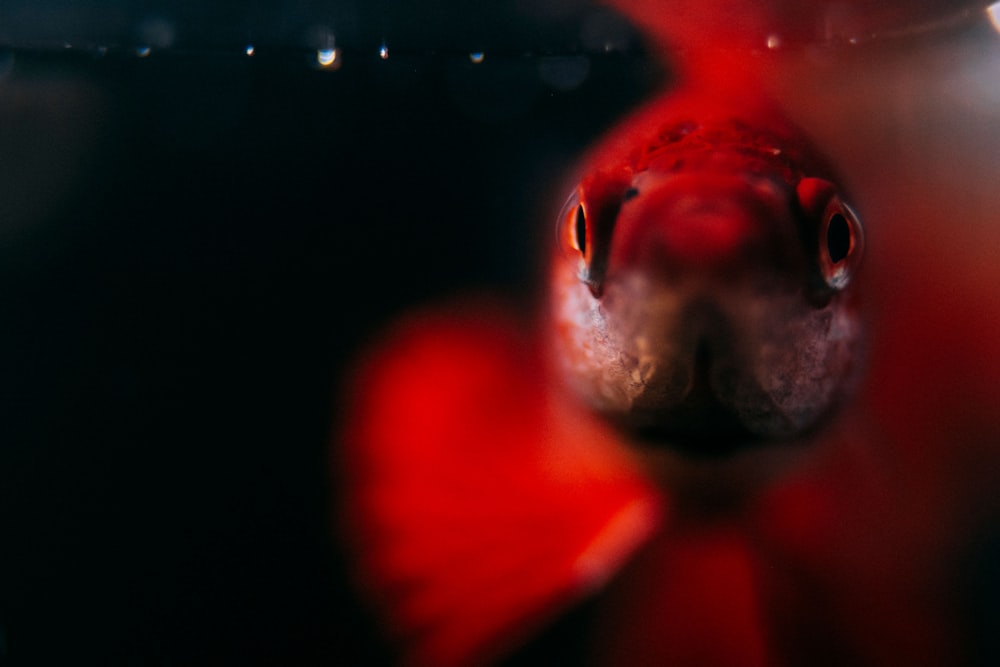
[[715, 369], [689, 394]]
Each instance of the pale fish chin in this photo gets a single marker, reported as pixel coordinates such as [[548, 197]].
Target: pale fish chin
[[705, 362]]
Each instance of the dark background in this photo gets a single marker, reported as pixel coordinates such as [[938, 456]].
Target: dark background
[[193, 244]]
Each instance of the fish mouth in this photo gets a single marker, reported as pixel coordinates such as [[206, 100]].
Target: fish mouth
[[707, 367], [701, 423]]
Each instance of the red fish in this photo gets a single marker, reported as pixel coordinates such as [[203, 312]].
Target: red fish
[[711, 434]]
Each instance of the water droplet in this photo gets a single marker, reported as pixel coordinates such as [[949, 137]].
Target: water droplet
[[328, 58], [250, 50], [143, 51], [383, 52], [773, 42], [477, 57]]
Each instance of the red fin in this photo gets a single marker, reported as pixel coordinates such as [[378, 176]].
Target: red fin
[[476, 508]]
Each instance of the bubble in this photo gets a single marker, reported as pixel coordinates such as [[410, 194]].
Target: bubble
[[477, 57], [249, 50], [773, 41], [328, 58], [383, 52], [143, 51], [564, 73]]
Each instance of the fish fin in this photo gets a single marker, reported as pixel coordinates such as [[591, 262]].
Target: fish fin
[[476, 506]]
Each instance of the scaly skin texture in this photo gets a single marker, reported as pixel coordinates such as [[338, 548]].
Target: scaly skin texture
[[696, 297]]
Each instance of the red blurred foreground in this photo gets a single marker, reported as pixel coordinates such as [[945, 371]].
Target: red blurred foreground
[[480, 506], [479, 502]]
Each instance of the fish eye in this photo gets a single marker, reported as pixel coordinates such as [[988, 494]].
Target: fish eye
[[573, 226], [841, 242], [840, 236], [580, 230]]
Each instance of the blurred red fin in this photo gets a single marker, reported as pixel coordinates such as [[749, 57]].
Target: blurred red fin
[[476, 506]]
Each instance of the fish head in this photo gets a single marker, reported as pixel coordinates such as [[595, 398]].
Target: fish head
[[704, 294]]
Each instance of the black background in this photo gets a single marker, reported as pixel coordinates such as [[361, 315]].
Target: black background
[[176, 318]]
